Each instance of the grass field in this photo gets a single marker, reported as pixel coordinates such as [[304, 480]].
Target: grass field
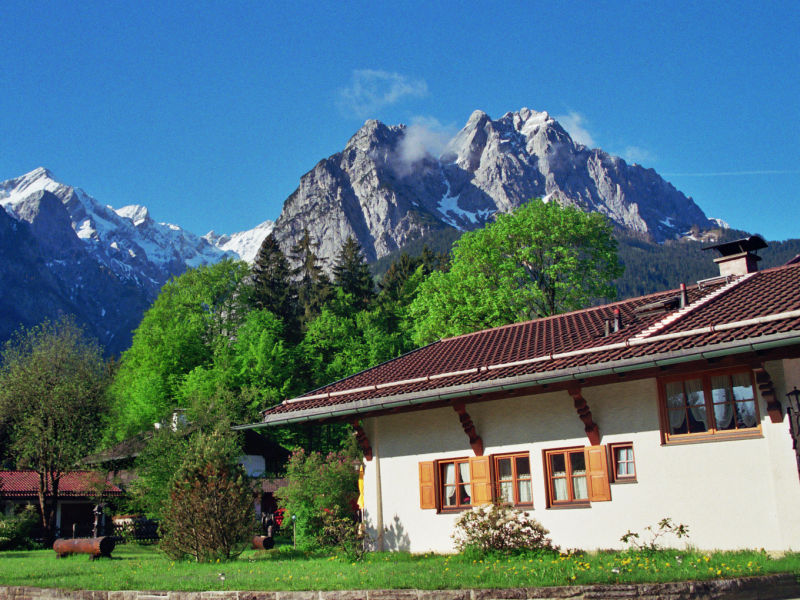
[[144, 568]]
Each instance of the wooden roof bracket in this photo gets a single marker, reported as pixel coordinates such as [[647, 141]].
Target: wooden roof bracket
[[475, 440], [585, 415], [363, 440], [767, 389]]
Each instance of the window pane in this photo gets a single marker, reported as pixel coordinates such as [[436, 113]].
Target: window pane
[[746, 414], [560, 489], [450, 495], [465, 490], [507, 492], [720, 391], [558, 465], [504, 468], [523, 467], [449, 473], [577, 463], [698, 420], [524, 491], [742, 386]]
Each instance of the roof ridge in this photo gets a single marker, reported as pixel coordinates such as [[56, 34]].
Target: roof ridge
[[680, 313]]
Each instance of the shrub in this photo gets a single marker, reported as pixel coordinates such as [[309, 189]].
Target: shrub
[[499, 528], [664, 527], [343, 532], [15, 530], [318, 485], [210, 509]]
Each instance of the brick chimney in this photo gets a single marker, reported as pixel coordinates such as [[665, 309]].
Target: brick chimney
[[738, 257]]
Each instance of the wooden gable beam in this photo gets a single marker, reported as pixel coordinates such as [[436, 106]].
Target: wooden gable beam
[[585, 415], [767, 389], [363, 440], [475, 440]]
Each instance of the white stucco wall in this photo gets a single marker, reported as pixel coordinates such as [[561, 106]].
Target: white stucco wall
[[732, 494]]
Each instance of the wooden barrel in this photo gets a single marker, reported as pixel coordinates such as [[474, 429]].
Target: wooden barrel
[[99, 546], [263, 542]]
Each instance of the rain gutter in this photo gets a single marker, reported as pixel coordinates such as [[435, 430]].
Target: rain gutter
[[662, 359]]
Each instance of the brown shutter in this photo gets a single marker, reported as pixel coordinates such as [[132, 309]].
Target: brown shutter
[[481, 480], [427, 484], [597, 473]]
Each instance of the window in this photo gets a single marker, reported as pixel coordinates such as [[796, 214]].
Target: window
[[512, 476], [709, 405], [622, 462], [458, 483], [456, 490], [576, 476]]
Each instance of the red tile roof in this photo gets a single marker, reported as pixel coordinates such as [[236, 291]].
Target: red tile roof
[[759, 307], [21, 484]]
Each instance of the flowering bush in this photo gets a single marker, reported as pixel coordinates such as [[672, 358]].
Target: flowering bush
[[664, 527], [318, 485], [499, 528]]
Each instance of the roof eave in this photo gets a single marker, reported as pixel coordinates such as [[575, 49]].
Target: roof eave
[[360, 407]]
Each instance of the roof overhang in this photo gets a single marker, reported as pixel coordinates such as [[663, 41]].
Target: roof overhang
[[626, 366]]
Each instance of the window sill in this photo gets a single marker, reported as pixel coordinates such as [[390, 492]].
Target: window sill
[[625, 480], [701, 438], [564, 505]]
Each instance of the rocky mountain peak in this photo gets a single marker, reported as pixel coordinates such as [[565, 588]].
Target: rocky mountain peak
[[137, 213], [384, 195]]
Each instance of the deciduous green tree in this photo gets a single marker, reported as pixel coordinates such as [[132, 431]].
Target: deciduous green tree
[[192, 314], [540, 260], [53, 384]]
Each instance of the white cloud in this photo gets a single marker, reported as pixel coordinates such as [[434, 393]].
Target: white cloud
[[425, 136], [637, 154], [370, 90], [575, 124]]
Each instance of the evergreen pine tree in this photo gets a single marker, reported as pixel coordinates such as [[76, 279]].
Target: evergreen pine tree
[[313, 285], [273, 288], [399, 272], [352, 274]]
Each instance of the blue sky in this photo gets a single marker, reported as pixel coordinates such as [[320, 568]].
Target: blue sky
[[209, 112]]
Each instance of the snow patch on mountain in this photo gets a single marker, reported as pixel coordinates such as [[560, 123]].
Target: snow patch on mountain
[[245, 244]]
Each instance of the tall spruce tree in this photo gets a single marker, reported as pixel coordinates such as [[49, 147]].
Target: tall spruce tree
[[273, 288], [393, 284], [313, 285], [352, 275]]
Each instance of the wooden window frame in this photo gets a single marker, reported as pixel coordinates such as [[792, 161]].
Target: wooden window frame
[[712, 433], [515, 479], [551, 501], [597, 476], [612, 456], [441, 484]]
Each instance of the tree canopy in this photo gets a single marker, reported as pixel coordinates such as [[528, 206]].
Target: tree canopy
[[542, 259], [52, 396]]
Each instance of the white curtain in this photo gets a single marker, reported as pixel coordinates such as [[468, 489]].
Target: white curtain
[[676, 404], [450, 484], [525, 495], [722, 396], [559, 476], [697, 400], [466, 488]]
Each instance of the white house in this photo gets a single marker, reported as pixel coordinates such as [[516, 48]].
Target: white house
[[596, 421]]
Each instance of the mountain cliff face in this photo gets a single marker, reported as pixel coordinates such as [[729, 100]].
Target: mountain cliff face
[[385, 196]]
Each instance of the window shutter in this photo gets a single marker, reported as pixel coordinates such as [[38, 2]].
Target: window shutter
[[481, 480], [597, 473], [427, 484]]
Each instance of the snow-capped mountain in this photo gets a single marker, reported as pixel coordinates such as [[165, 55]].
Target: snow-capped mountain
[[245, 244], [127, 240], [385, 193], [62, 251]]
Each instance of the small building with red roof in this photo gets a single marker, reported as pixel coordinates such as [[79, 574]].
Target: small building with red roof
[[78, 493], [596, 422]]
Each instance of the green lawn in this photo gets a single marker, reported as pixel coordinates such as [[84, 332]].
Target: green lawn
[[144, 568]]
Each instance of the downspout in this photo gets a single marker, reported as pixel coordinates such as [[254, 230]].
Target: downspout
[[376, 451]]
